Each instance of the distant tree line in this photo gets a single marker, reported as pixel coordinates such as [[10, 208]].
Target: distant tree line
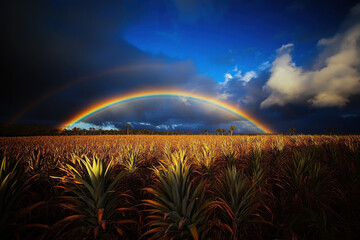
[[129, 130], [38, 130]]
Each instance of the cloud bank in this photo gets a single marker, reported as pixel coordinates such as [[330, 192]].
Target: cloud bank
[[333, 80]]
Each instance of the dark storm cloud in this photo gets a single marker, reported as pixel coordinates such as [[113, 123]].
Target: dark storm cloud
[[50, 44]]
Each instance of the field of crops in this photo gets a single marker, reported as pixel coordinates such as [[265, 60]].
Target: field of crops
[[180, 187]]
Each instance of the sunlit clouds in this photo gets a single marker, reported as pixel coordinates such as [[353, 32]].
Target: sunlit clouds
[[330, 85]]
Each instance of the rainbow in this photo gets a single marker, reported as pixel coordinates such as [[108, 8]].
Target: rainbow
[[160, 93]]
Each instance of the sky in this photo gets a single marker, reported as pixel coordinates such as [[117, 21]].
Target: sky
[[288, 64]]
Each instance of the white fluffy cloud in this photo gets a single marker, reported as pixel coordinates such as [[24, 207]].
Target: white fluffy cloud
[[248, 76], [335, 78], [239, 76], [227, 77]]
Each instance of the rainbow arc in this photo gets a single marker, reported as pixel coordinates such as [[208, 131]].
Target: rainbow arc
[[102, 105]]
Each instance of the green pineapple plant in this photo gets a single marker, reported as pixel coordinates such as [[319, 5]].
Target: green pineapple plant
[[89, 186], [236, 207], [178, 210]]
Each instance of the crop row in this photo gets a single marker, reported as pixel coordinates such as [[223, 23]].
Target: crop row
[[180, 187]]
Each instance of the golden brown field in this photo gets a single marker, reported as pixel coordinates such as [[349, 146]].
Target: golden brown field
[[180, 187]]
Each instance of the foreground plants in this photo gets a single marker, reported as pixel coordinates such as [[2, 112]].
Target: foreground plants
[[90, 186], [11, 189], [179, 208], [308, 195], [14, 207], [180, 187], [236, 205]]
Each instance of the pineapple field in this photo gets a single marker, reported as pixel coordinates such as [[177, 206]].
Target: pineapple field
[[180, 187]]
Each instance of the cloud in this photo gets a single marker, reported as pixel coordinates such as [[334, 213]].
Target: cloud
[[224, 96], [285, 48], [104, 126], [244, 89], [239, 76], [265, 65], [170, 127], [227, 77], [333, 81], [229, 83], [248, 76]]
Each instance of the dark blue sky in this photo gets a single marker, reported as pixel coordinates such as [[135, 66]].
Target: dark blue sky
[[288, 63]]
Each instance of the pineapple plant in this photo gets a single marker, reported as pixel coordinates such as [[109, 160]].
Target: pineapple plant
[[178, 210], [89, 186], [236, 207]]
